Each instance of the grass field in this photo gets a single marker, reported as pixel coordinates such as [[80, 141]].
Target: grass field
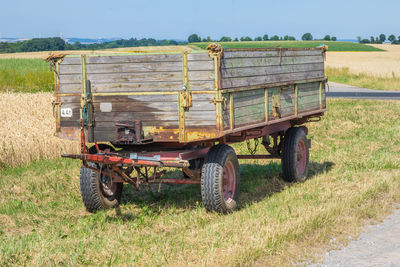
[[25, 75], [354, 178], [333, 46]]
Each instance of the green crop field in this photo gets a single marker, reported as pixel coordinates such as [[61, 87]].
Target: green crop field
[[25, 75], [332, 46], [354, 178]]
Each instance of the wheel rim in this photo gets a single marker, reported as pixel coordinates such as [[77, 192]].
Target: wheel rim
[[301, 157], [107, 186], [229, 181]]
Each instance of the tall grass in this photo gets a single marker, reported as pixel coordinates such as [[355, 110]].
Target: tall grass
[[354, 178], [25, 75], [362, 79], [27, 129]]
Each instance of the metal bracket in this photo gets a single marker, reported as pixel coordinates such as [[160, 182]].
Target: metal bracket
[[276, 107], [186, 98], [219, 100]]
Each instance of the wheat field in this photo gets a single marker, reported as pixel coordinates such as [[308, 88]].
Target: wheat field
[[27, 130], [380, 64]]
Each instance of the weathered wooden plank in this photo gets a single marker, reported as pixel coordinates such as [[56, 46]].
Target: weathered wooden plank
[[70, 60], [246, 110], [139, 77], [143, 116], [68, 88], [270, 79], [165, 123], [249, 102], [199, 57], [271, 53], [268, 61], [207, 115], [123, 67], [269, 70], [134, 107], [143, 86], [248, 93], [134, 58], [124, 77], [249, 119], [70, 99], [138, 98], [201, 65]]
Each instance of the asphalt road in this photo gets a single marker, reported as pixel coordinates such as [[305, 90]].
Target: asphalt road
[[378, 245], [337, 90]]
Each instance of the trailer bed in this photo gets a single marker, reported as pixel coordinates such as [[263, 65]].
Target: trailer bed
[[185, 97]]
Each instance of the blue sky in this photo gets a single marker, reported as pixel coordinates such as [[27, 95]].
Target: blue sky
[[177, 19]]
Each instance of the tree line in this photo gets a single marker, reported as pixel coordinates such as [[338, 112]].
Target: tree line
[[58, 44], [379, 39], [195, 38]]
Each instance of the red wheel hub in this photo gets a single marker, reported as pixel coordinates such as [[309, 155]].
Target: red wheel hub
[[229, 181], [301, 157]]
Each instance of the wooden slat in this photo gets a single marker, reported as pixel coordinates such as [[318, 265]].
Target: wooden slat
[[249, 119], [270, 70], [154, 116], [135, 58], [271, 53], [268, 61], [70, 60], [138, 98], [199, 57], [261, 80]]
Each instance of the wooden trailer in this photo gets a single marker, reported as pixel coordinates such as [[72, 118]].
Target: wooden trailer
[[141, 112]]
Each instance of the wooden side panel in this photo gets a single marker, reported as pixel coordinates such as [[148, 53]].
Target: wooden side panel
[[152, 110], [309, 96], [202, 112], [258, 68], [248, 107]]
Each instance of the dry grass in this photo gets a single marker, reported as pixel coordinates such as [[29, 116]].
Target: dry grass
[[27, 129], [380, 64], [361, 79], [354, 179], [107, 51]]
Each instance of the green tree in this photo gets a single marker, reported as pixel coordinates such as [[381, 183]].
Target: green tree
[[236, 40], [265, 37], [193, 38], [359, 39], [275, 38], [258, 38], [247, 38], [286, 37], [372, 39], [307, 37], [327, 37], [333, 38], [392, 38], [382, 37], [225, 39]]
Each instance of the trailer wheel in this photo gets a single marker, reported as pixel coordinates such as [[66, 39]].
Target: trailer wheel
[[295, 155], [220, 179], [97, 191]]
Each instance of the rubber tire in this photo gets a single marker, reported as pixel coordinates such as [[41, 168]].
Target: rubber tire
[[91, 193], [211, 179], [289, 155]]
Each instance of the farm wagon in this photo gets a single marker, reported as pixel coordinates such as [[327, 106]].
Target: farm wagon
[[137, 113]]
